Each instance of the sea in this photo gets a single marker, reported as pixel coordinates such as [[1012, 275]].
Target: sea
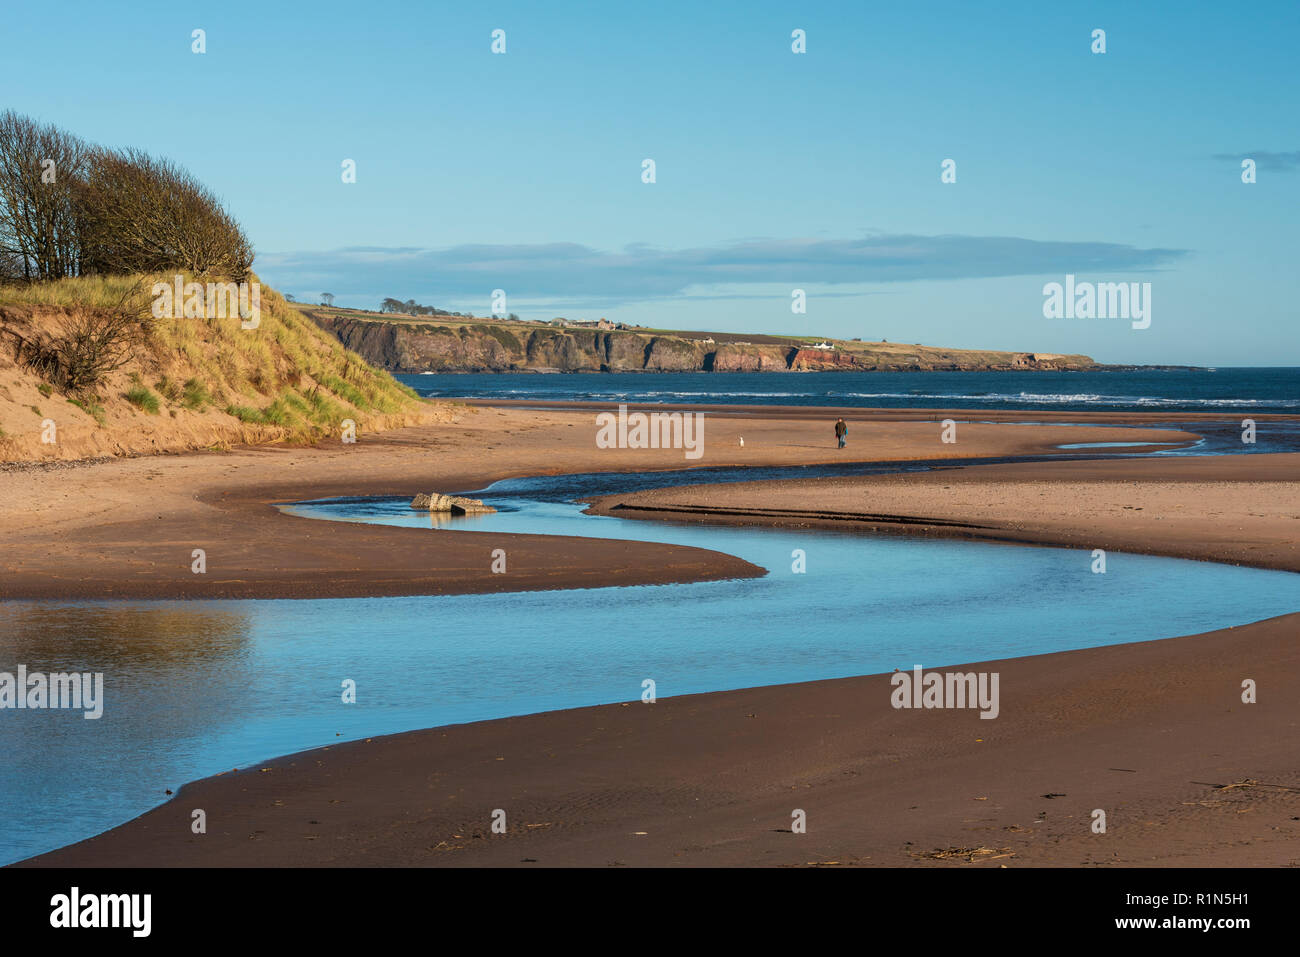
[[1232, 391]]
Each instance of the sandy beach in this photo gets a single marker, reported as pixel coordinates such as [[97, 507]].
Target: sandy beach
[[1155, 732], [126, 528]]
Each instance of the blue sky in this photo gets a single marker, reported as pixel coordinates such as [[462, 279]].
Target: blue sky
[[774, 170]]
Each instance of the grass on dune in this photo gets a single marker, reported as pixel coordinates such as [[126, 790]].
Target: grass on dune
[[144, 400], [92, 407], [96, 292], [286, 372]]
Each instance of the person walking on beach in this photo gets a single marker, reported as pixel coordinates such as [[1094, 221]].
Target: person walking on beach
[[841, 430]]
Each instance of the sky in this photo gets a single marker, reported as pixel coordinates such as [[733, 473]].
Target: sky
[[774, 170]]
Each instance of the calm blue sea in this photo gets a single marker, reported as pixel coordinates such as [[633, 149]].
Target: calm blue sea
[[1230, 391]]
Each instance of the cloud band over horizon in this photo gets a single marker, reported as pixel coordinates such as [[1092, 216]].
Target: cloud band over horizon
[[639, 273]]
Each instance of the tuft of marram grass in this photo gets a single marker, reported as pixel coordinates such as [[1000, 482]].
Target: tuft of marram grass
[[143, 399], [195, 395], [91, 406]]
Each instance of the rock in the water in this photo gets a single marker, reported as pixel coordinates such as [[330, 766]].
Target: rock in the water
[[432, 502], [466, 506], [436, 502]]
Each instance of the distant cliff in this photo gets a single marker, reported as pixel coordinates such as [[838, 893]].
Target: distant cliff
[[481, 345]]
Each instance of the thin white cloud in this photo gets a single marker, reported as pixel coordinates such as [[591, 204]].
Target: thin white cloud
[[641, 273]]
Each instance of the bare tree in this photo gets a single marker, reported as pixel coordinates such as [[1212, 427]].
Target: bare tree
[[11, 266], [40, 167], [68, 209], [327, 299], [141, 214]]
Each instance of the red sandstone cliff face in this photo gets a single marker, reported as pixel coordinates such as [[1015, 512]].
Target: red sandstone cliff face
[[730, 357], [822, 360]]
